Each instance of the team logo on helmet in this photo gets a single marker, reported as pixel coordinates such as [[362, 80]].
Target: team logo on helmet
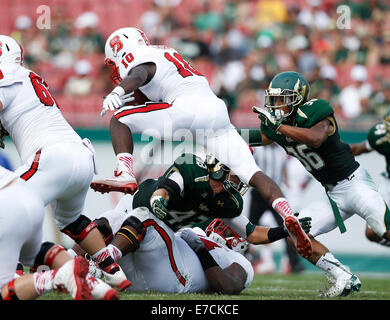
[[116, 45]]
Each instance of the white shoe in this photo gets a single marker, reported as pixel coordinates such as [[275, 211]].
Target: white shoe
[[343, 287], [122, 182], [118, 279], [71, 278], [101, 290]]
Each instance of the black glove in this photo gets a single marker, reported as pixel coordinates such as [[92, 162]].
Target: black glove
[[305, 223]]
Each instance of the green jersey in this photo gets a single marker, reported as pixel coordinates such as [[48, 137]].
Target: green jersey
[[380, 142], [333, 160], [197, 201]]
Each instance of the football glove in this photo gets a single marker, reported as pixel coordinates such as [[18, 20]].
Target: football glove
[[267, 118], [192, 239], [305, 223], [159, 207], [128, 97], [113, 100]]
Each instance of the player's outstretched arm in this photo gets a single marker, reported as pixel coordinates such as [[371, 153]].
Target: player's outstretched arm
[[264, 235], [230, 280]]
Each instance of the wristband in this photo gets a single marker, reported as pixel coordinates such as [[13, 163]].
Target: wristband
[[277, 233], [206, 259], [119, 91]]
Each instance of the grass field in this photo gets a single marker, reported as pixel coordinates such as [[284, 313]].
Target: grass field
[[305, 286]]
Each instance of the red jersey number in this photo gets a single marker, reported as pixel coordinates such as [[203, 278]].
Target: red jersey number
[[41, 90], [183, 67]]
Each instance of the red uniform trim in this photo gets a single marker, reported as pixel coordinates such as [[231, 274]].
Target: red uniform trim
[[168, 243], [147, 107], [34, 167]]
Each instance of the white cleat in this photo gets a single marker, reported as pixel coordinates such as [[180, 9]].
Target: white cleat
[[122, 182], [118, 279], [71, 278], [343, 287], [101, 290]]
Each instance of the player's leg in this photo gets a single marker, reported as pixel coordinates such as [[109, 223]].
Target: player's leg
[[151, 119], [226, 145], [360, 195], [324, 221], [147, 249]]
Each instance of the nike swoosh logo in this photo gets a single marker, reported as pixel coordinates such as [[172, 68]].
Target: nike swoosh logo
[[116, 174]]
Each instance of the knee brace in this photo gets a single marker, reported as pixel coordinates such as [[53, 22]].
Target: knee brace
[[80, 228], [11, 292], [105, 229], [134, 238], [51, 250]]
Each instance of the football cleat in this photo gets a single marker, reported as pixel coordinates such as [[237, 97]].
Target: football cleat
[[94, 269], [123, 182], [71, 278], [300, 238], [101, 290], [343, 287], [117, 279]]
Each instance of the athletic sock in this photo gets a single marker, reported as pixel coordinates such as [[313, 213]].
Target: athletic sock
[[115, 252], [282, 207], [105, 261], [43, 281], [329, 264], [125, 163]]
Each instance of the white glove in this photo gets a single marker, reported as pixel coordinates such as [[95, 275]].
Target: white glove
[[113, 101], [128, 97]]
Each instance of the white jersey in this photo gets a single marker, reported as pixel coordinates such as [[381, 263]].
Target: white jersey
[[174, 77], [30, 114], [6, 176], [225, 257]]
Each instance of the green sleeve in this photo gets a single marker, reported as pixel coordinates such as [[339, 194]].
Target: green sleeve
[[313, 112], [251, 136]]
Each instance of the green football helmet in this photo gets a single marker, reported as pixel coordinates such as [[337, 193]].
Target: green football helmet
[[287, 90], [220, 172]]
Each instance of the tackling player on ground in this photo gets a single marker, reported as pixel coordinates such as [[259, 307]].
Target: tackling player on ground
[[307, 130], [182, 99]]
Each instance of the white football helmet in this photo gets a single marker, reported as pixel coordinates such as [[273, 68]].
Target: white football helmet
[[11, 53], [221, 233], [119, 44]]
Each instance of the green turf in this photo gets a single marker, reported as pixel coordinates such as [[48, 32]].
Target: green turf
[[305, 286]]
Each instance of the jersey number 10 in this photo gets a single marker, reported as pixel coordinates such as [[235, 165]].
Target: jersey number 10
[[183, 67]]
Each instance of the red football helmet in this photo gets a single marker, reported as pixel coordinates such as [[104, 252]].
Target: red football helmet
[[220, 232]]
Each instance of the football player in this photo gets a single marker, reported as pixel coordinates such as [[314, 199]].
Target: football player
[[378, 139], [307, 129], [189, 192], [182, 99], [23, 241], [56, 162]]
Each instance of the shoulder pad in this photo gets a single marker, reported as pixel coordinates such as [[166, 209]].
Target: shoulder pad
[[313, 112]]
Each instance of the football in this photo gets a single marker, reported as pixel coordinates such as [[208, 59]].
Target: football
[[140, 99]]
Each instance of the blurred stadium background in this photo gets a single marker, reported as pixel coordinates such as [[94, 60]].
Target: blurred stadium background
[[239, 45]]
